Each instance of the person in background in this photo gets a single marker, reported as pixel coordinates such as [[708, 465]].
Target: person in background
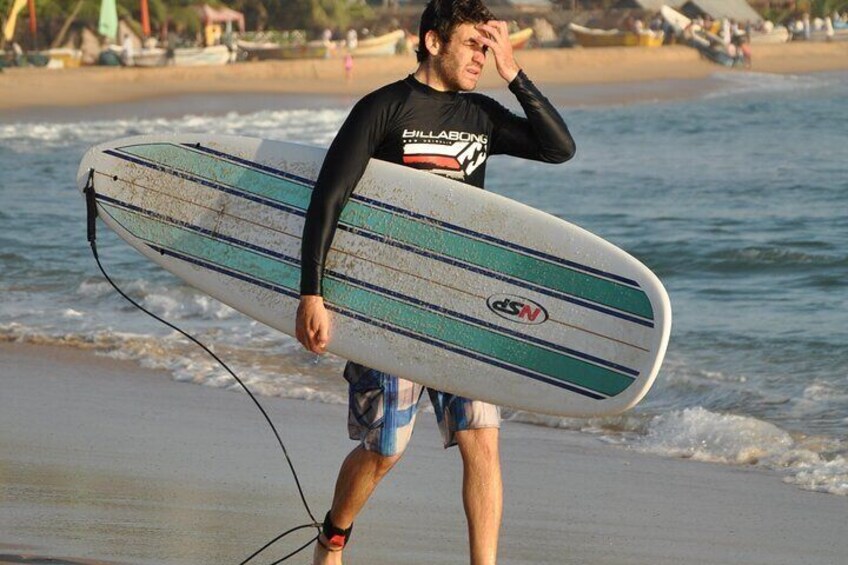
[[351, 39], [127, 53], [327, 41], [745, 49], [348, 67]]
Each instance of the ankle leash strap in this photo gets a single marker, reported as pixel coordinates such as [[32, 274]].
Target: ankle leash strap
[[335, 535]]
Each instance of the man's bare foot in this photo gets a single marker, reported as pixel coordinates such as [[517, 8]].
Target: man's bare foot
[[326, 553]]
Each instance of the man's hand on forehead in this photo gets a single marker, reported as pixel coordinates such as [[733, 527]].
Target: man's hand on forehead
[[494, 36]]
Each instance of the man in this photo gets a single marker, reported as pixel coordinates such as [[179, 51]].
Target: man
[[403, 123]]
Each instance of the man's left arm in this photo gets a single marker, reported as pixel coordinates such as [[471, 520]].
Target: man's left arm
[[542, 135]]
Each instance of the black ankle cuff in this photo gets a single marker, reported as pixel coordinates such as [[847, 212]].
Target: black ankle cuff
[[335, 535]]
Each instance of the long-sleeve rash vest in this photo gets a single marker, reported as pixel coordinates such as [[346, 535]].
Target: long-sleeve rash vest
[[446, 133]]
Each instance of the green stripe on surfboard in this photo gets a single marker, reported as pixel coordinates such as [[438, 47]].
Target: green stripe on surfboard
[[374, 305], [404, 229], [223, 172], [479, 340]]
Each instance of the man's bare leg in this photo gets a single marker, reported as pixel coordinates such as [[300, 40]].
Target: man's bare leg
[[482, 492], [358, 477]]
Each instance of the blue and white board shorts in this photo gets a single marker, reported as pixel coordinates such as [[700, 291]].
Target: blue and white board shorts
[[382, 410]]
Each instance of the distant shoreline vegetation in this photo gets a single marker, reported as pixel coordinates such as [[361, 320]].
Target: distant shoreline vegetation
[[56, 19], [59, 21]]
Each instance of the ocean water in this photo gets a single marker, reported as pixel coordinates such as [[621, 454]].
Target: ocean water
[[737, 199]]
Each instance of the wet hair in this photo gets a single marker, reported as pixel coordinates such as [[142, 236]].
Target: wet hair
[[442, 16]]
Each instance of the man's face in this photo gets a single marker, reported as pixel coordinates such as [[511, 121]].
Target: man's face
[[459, 63]]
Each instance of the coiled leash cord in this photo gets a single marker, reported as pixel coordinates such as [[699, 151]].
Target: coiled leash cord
[[91, 213]]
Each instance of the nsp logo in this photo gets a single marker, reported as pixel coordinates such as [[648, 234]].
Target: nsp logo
[[517, 309]]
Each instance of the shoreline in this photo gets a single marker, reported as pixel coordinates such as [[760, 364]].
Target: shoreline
[[33, 89], [104, 461]]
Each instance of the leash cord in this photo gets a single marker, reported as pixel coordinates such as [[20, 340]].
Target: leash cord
[[91, 209]]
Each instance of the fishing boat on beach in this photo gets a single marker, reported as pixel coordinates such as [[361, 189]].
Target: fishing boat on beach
[[779, 34], [768, 33], [265, 48], [149, 57], [182, 57], [592, 37], [380, 46], [708, 44], [63, 58], [257, 50], [519, 39], [202, 56], [271, 50]]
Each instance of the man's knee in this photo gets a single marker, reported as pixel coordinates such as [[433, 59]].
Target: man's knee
[[381, 464], [479, 444]]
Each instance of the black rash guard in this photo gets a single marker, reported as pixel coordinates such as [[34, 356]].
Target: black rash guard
[[446, 133]]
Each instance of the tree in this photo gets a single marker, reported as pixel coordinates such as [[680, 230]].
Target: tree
[[255, 13], [57, 17], [319, 14]]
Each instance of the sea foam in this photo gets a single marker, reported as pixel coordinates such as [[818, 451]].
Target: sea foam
[[310, 126], [696, 433], [750, 82]]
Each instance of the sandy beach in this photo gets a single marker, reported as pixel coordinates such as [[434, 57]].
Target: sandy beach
[[102, 461], [92, 86]]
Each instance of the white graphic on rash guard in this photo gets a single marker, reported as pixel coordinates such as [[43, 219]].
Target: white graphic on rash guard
[[453, 154]]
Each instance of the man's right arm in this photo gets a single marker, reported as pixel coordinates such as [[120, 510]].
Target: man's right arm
[[343, 166]]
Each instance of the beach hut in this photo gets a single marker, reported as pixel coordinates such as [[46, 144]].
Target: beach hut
[[213, 18], [738, 10]]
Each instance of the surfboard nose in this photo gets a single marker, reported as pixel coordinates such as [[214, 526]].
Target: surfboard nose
[[86, 165]]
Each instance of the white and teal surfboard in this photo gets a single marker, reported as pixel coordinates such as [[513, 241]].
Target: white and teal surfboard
[[430, 279]]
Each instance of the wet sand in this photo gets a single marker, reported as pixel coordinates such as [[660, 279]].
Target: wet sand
[[102, 461]]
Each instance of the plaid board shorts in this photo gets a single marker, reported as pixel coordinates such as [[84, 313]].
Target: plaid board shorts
[[382, 410]]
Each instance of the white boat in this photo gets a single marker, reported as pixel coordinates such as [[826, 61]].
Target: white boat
[[147, 57], [153, 57], [202, 56], [382, 45], [778, 35], [680, 23], [708, 44]]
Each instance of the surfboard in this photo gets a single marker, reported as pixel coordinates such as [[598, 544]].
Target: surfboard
[[430, 279]]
